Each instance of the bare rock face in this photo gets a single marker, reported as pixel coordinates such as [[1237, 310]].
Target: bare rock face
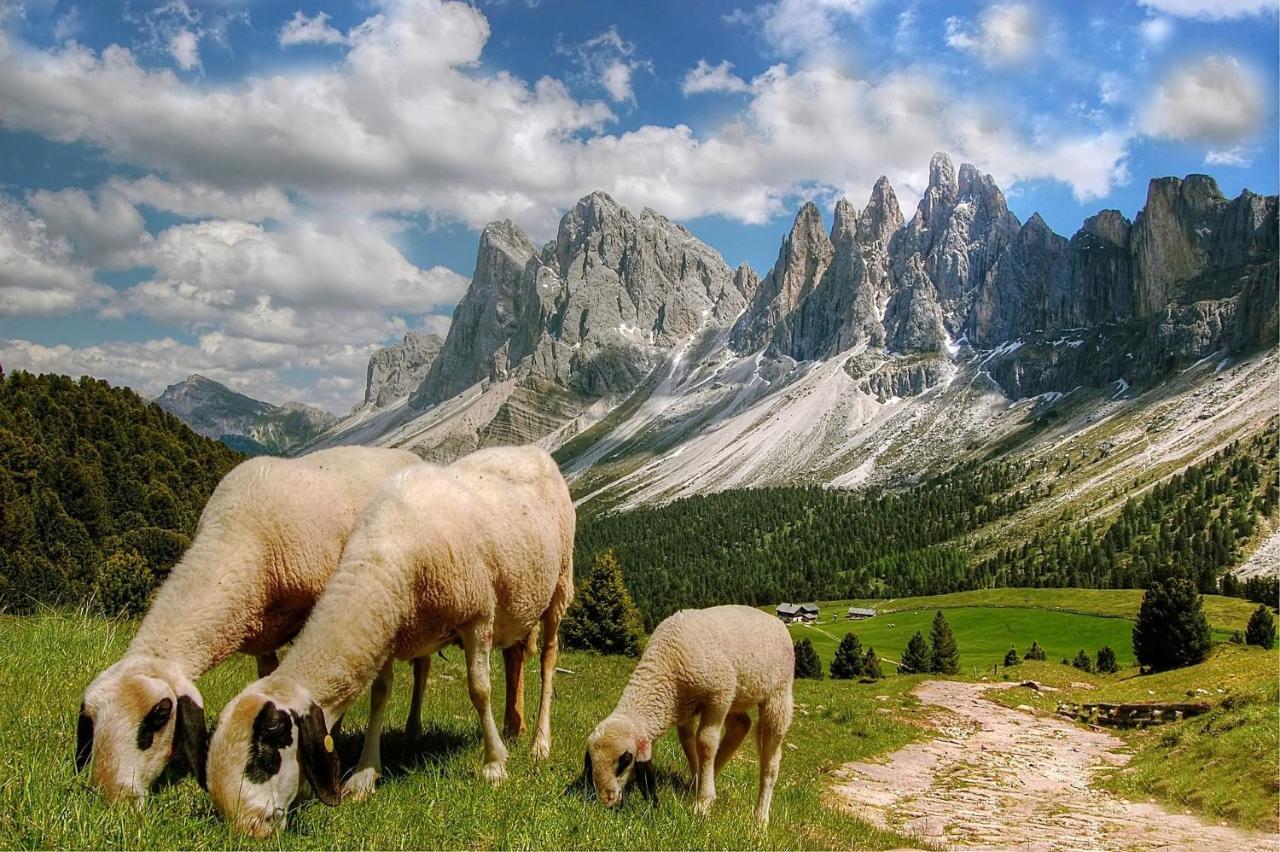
[[396, 371], [1029, 288]]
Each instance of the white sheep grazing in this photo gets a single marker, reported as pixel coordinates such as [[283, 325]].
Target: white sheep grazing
[[479, 553], [268, 540], [702, 670]]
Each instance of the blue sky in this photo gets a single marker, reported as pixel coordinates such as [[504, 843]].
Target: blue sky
[[266, 191]]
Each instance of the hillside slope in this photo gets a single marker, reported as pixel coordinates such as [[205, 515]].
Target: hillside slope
[[243, 423]]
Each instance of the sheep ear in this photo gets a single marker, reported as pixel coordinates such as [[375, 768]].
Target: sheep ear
[[648, 781], [644, 751], [319, 757], [84, 739], [192, 737]]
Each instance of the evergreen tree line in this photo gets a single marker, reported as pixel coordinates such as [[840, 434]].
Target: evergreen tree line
[[100, 492]]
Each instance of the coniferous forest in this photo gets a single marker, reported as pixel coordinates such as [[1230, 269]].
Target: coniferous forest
[[99, 493]]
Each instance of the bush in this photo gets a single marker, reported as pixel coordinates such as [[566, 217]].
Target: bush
[[1261, 630], [944, 657], [603, 617], [871, 666], [1237, 638], [1107, 661], [1172, 630], [916, 658], [1035, 652], [808, 665], [847, 663], [1011, 658], [1082, 661], [123, 583]]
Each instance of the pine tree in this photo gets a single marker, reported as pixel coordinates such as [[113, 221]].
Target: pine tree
[[1107, 661], [603, 617], [847, 662], [1261, 630], [1082, 661], [1172, 630], [1011, 658], [808, 664], [944, 656], [915, 659], [871, 666], [1035, 652]]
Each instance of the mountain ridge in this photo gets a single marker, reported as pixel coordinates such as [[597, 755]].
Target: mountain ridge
[[249, 425]]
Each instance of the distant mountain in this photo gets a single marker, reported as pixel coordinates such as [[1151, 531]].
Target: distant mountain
[[872, 352], [397, 371], [243, 423]]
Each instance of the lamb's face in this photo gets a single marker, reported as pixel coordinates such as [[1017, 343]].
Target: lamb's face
[[265, 750], [615, 751], [134, 716]]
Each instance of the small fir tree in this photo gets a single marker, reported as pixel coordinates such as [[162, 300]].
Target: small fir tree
[[915, 659], [1011, 658], [847, 662], [1035, 652], [808, 664], [603, 617], [1107, 661], [944, 656], [1261, 630], [1082, 661], [1172, 630], [871, 666]]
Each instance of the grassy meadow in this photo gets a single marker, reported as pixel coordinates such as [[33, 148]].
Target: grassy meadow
[[431, 797]]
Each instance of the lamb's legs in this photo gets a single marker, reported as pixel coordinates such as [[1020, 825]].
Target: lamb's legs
[[775, 718], [267, 663], [513, 669], [709, 732], [369, 769], [413, 727], [550, 653], [735, 730], [476, 642], [689, 742]]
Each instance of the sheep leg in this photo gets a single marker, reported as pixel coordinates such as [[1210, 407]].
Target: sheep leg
[[476, 642], [267, 663], [413, 727], [709, 732], [369, 769], [550, 654], [775, 719], [513, 668], [689, 742], [735, 731]]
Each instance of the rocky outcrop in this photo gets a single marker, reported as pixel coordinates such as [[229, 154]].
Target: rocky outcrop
[[898, 378], [214, 410], [396, 371]]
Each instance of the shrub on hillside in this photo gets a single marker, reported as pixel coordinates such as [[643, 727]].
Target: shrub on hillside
[[1011, 658], [123, 584], [847, 662], [1082, 661], [603, 617], [871, 666], [944, 656], [808, 665], [915, 659], [1035, 652], [1172, 630], [1261, 630], [1107, 661]]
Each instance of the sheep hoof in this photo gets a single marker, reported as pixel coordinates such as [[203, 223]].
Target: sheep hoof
[[494, 772], [360, 785], [702, 807], [541, 749]]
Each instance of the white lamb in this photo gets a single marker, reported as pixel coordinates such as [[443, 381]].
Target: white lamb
[[479, 553], [267, 542], [702, 670]]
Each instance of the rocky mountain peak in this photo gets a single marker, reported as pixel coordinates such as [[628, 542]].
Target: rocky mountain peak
[[396, 371], [882, 217], [942, 173], [1109, 225]]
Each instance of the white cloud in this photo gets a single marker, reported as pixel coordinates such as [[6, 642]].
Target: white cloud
[[102, 232], [1238, 156], [184, 47], [69, 24], [315, 30], [1156, 31], [705, 77], [617, 82], [38, 273], [1005, 34], [801, 28], [1215, 100], [1212, 10], [193, 200], [606, 60]]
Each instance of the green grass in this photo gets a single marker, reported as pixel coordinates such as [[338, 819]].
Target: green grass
[[431, 799], [1221, 765], [983, 634]]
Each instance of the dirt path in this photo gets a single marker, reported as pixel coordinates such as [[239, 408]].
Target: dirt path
[[1002, 778]]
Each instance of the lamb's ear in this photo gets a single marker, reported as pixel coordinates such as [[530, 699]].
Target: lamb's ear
[[644, 750], [648, 780], [84, 739], [192, 737], [319, 758]]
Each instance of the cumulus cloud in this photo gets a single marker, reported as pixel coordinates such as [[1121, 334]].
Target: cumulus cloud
[[315, 30], [1156, 31], [705, 77], [69, 24], [1212, 10], [102, 231], [193, 199], [1237, 156], [1215, 100], [39, 273], [184, 47], [800, 28], [1004, 34], [606, 60]]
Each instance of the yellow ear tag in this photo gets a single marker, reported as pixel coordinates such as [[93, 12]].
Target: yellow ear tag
[[328, 743]]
